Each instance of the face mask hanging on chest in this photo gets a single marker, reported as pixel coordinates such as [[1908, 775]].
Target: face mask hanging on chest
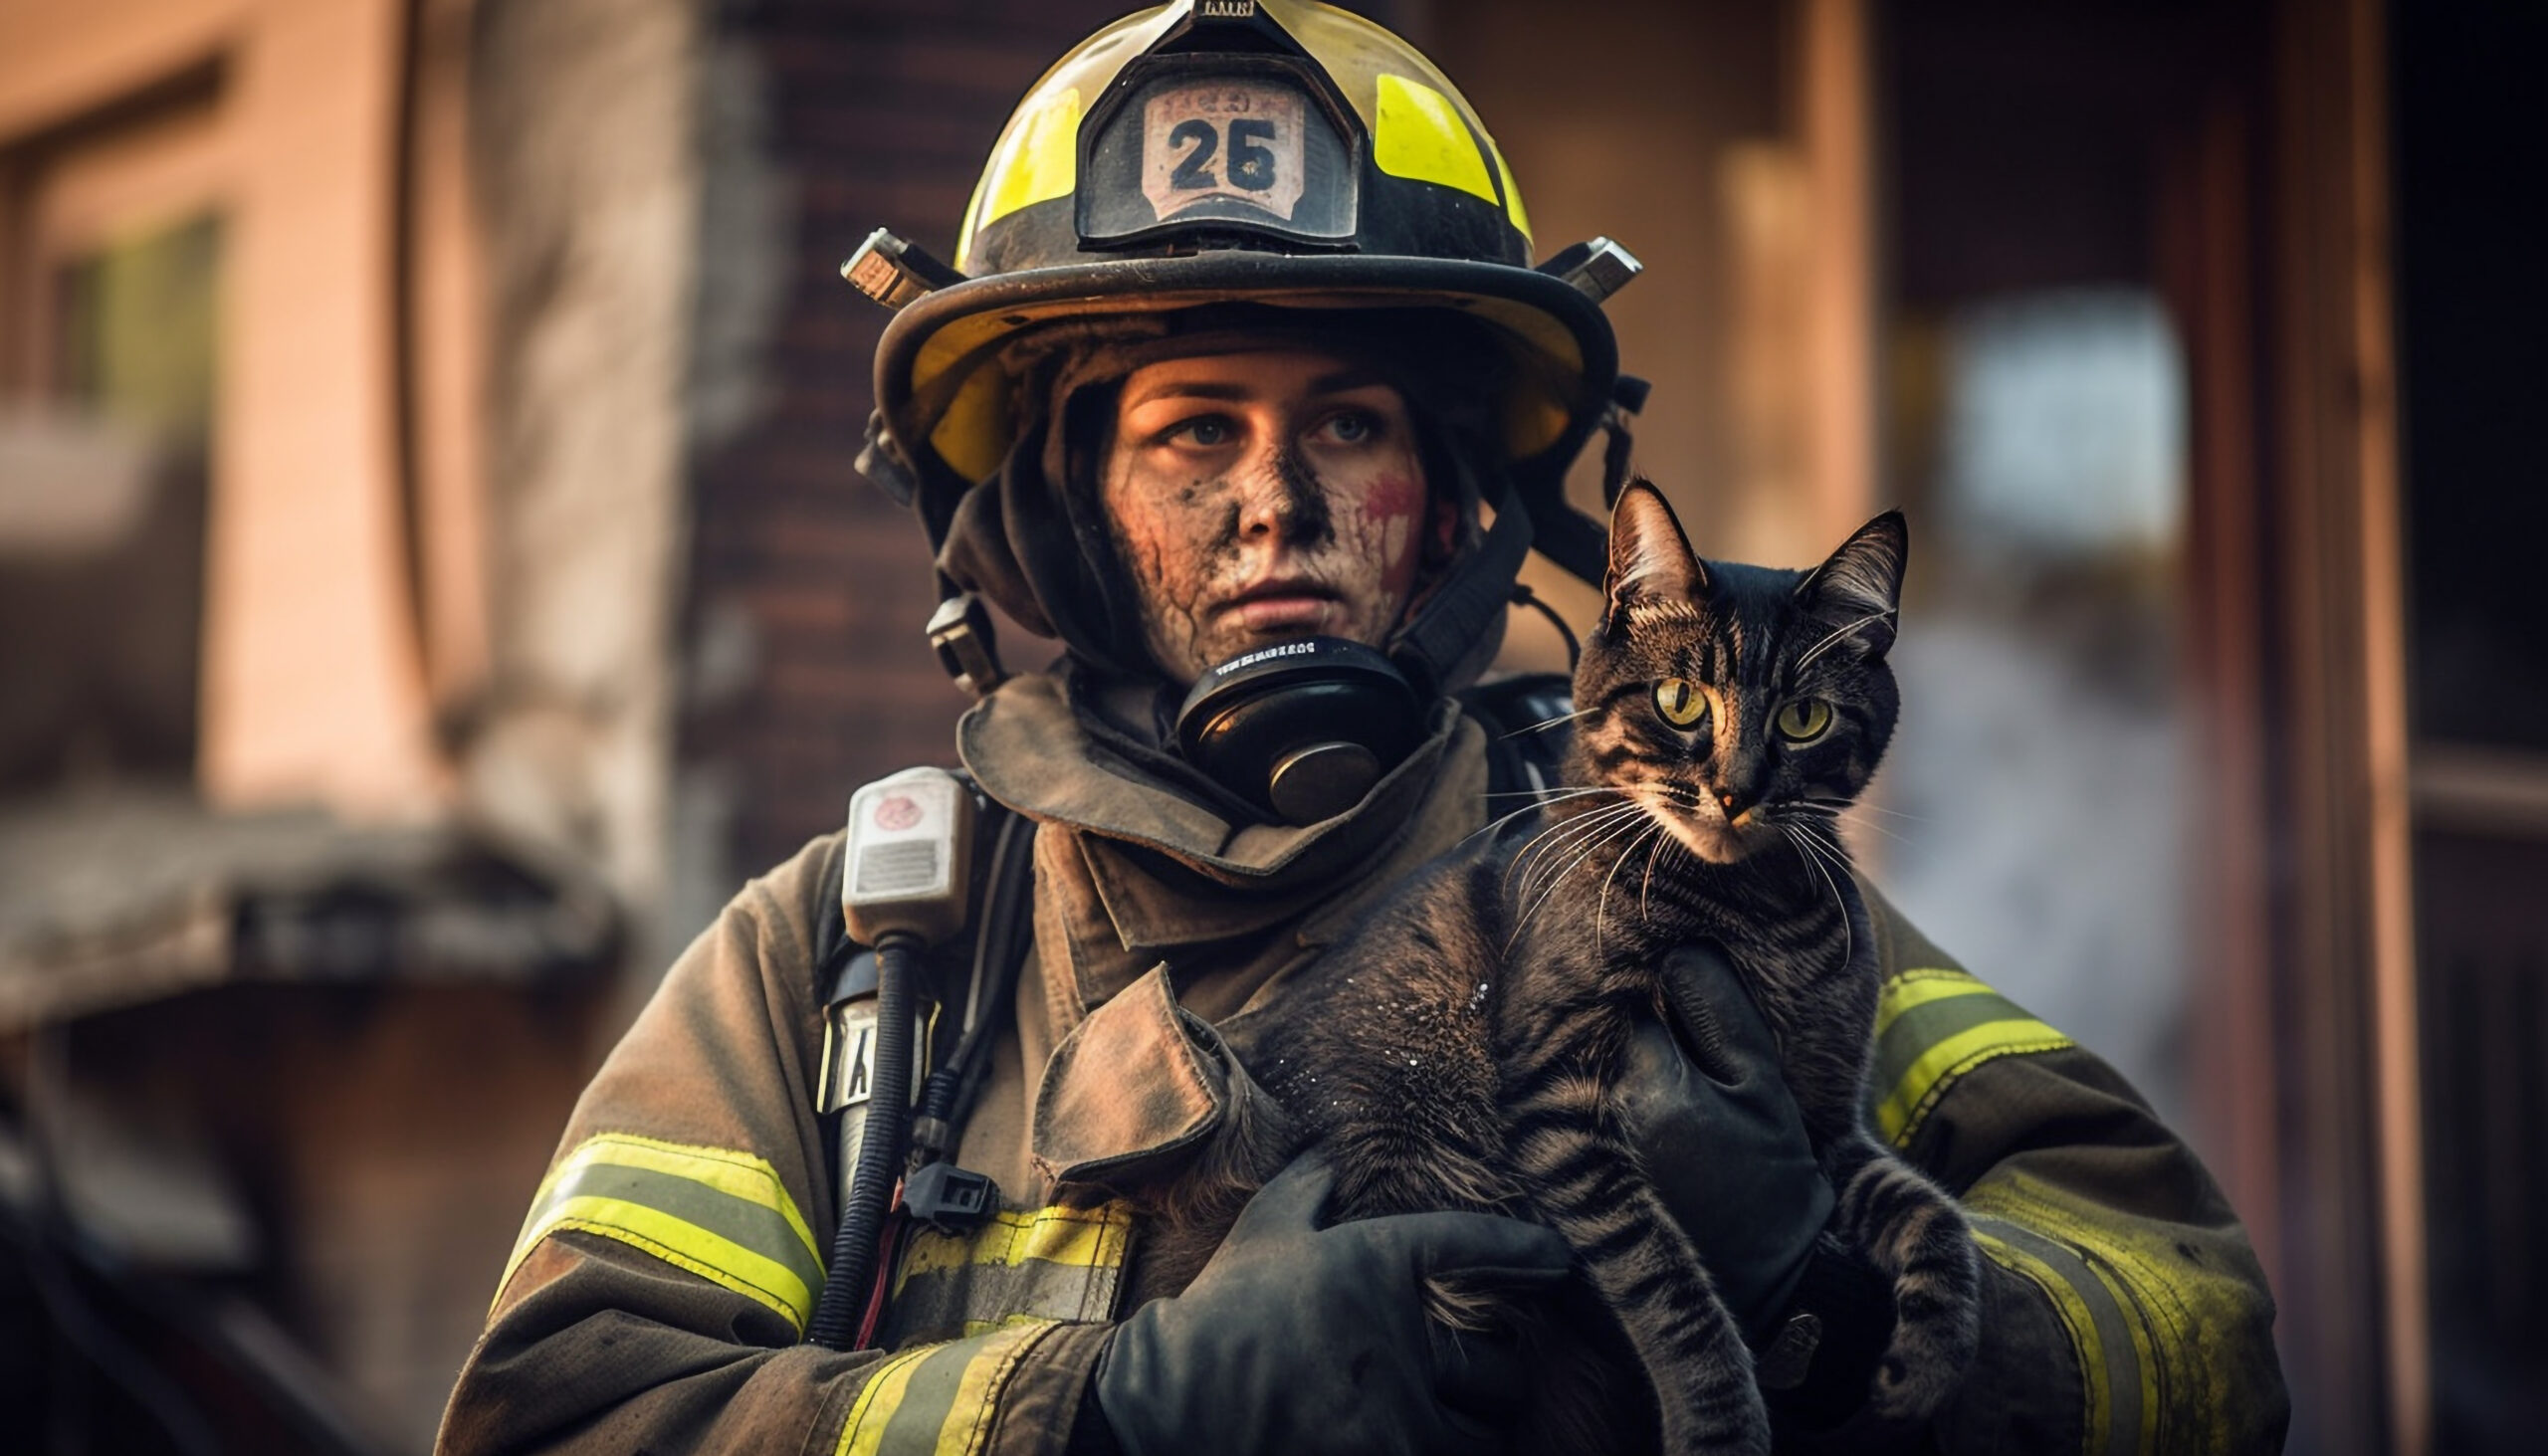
[[1301, 729]]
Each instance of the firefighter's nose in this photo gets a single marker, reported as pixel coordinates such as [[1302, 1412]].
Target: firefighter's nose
[[1266, 505]]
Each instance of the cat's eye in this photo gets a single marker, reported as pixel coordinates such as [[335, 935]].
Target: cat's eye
[[1803, 720], [1682, 703]]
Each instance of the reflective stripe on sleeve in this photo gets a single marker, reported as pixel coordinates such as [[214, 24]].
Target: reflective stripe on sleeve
[[1055, 1263], [722, 1214], [2111, 1371], [1932, 1026], [939, 1400], [2155, 1303]]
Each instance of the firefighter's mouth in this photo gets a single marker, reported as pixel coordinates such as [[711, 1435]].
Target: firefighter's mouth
[[1283, 604]]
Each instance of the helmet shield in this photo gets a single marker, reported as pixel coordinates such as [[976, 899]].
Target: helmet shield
[[1249, 148]]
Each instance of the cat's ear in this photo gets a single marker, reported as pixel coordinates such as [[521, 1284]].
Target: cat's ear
[[1859, 590], [1651, 560]]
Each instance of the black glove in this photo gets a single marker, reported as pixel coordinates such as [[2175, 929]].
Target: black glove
[[1731, 1158], [1732, 1162], [1297, 1337]]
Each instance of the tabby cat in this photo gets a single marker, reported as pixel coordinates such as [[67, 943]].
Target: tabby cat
[[1461, 1050]]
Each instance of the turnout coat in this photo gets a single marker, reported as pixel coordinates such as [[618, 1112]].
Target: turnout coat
[[659, 1291]]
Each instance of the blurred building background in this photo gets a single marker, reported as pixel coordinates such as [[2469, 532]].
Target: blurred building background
[[432, 579]]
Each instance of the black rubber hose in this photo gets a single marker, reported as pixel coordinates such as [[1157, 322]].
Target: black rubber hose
[[852, 1275]]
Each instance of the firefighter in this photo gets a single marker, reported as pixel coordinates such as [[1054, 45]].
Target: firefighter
[[1241, 387]]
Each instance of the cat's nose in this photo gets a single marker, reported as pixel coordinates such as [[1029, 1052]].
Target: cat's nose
[[1733, 803]]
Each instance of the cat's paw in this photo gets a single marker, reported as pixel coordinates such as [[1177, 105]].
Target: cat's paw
[[1734, 1423], [1909, 1228], [1936, 1329], [1910, 1384]]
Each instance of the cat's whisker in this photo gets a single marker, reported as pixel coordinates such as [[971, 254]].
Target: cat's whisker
[[1582, 822], [1559, 879], [1601, 907], [1564, 835], [1858, 806], [1492, 825], [1825, 843], [1553, 723], [1830, 841], [1612, 821], [1555, 833], [1823, 646], [1551, 794], [1874, 828], [1647, 888], [1815, 855]]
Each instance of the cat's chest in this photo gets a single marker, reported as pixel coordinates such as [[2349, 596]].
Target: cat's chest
[[1602, 936]]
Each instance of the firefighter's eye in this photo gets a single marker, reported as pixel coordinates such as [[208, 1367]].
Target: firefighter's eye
[[1350, 427], [1803, 720], [1683, 704], [1205, 431]]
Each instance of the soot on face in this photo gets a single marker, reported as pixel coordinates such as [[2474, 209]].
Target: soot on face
[[1261, 498]]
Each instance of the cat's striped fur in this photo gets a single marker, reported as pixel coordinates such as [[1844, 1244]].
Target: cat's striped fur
[[1461, 1050]]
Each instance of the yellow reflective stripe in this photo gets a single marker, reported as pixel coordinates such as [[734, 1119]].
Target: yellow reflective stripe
[[2085, 1346], [864, 1434], [1081, 1239], [1053, 1264], [2145, 1358], [2173, 1302], [1038, 161], [719, 1213], [677, 1241], [744, 1175], [1920, 986], [972, 220], [1418, 133], [1512, 194], [937, 1399], [1938, 1068]]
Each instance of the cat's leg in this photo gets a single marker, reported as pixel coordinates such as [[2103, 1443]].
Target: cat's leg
[[1588, 1180], [1914, 1234]]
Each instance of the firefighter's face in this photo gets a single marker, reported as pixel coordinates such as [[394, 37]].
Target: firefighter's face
[[1263, 497]]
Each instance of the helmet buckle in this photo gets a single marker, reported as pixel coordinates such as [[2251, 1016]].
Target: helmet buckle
[[960, 631], [894, 270], [1595, 268]]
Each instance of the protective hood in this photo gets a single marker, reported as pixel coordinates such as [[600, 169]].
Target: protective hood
[[1033, 539]]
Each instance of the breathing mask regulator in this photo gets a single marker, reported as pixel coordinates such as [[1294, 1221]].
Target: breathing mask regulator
[[1302, 730]]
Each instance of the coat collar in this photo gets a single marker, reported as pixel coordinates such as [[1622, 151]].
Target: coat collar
[[1136, 884]]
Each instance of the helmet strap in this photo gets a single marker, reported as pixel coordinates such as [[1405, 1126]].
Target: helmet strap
[[1448, 630], [962, 635]]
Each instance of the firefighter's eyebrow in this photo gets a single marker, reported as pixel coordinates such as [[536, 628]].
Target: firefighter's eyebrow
[[1345, 382], [1192, 390]]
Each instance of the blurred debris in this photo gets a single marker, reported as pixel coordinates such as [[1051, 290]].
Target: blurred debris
[[70, 484], [111, 899]]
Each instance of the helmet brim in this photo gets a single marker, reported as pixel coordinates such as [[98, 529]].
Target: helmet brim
[[946, 402]]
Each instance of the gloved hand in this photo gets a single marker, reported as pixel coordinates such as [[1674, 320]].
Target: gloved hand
[[1747, 1189], [1302, 1339], [1748, 1192]]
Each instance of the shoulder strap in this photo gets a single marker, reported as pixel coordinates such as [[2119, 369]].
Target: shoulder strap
[[972, 977]]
